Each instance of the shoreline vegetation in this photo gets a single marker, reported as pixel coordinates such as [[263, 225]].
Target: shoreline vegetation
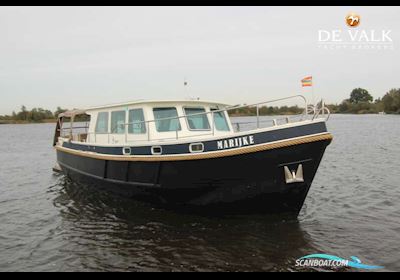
[[360, 102]]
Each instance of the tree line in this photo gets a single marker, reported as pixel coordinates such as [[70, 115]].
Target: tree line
[[359, 102], [33, 115]]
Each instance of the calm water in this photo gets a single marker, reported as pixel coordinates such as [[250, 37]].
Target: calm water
[[48, 223]]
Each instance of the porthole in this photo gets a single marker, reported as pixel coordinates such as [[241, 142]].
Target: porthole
[[156, 150], [126, 150], [196, 147]]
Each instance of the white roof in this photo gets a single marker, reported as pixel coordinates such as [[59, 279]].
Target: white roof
[[194, 102]]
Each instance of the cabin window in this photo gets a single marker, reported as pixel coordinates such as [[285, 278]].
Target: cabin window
[[165, 119], [118, 122], [220, 121], [198, 121], [102, 122], [136, 122]]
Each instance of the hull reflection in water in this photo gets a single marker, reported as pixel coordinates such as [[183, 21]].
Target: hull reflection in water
[[110, 232]]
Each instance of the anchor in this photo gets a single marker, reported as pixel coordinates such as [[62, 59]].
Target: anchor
[[294, 177]]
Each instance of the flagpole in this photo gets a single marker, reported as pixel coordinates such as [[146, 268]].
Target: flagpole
[[312, 92]]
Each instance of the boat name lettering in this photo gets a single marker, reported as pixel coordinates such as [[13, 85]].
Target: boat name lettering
[[235, 142]]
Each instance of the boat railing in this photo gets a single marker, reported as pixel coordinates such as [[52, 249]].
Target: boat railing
[[270, 121], [78, 133], [258, 121], [322, 110]]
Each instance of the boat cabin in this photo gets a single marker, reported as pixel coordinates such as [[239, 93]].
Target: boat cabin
[[147, 121]]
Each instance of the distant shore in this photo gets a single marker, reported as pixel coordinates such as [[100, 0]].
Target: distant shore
[[359, 103], [27, 122], [232, 115]]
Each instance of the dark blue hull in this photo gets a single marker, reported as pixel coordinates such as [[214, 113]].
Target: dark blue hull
[[240, 184]]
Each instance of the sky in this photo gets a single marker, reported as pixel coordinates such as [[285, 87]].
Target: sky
[[77, 57]]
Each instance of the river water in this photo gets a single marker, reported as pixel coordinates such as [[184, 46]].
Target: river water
[[48, 223]]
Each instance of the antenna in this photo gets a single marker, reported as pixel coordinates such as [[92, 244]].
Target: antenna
[[185, 90], [185, 86]]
